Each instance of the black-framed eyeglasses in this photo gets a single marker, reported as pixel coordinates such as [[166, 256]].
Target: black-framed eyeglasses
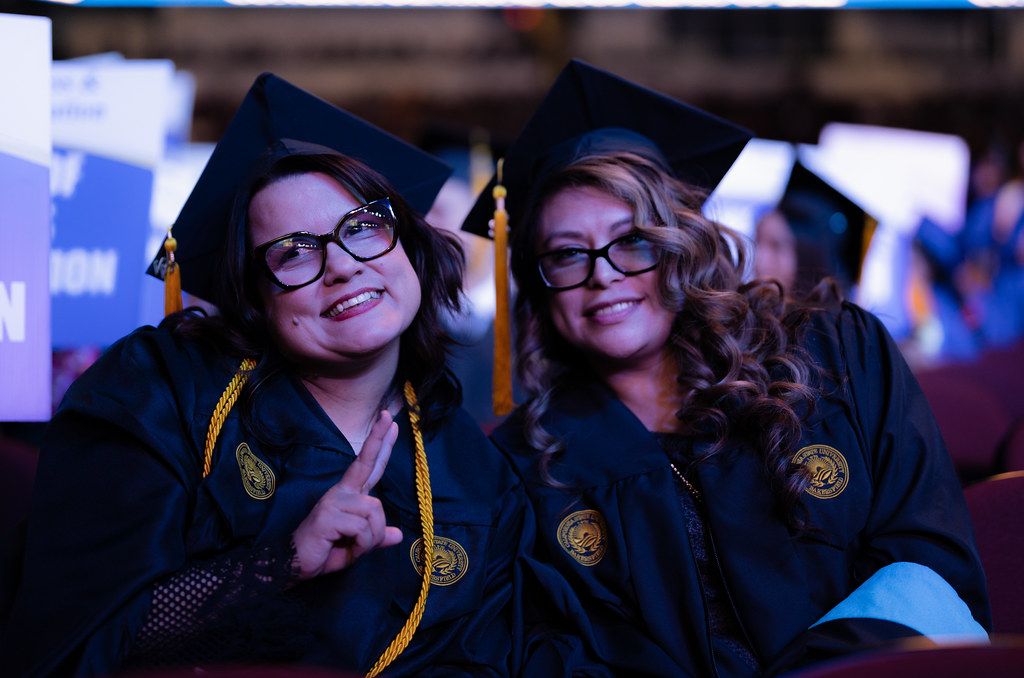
[[570, 267], [298, 259]]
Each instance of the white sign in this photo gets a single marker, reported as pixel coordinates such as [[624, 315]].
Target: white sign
[[25, 355]]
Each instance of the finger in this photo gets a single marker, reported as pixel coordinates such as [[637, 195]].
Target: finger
[[357, 475], [359, 539], [365, 540], [324, 546], [376, 520], [392, 536], [387, 443], [333, 538]]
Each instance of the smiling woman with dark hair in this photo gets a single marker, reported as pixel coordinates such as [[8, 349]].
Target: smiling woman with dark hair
[[291, 479]]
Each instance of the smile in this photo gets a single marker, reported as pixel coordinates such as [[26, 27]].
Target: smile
[[613, 308], [352, 302]]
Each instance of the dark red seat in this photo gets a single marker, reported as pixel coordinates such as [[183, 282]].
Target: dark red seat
[[996, 506], [18, 462], [923, 658], [1013, 450], [972, 418], [1000, 370]]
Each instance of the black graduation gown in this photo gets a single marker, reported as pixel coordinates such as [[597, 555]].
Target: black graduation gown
[[119, 503], [632, 605]]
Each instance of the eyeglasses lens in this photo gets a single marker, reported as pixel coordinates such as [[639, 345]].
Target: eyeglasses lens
[[633, 254], [369, 232], [571, 267], [295, 260], [365, 233]]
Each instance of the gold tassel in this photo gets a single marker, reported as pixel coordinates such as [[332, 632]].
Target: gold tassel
[[502, 376], [172, 278]]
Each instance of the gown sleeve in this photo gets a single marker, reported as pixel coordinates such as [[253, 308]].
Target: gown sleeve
[[218, 610], [918, 514], [486, 642], [114, 490]]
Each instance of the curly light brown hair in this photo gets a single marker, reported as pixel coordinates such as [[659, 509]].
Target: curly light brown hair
[[745, 379]]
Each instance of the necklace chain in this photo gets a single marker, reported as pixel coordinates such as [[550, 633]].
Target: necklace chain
[[693, 490]]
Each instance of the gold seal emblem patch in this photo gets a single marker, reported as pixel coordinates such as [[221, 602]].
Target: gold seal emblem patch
[[257, 478], [583, 535], [450, 560], [829, 472]]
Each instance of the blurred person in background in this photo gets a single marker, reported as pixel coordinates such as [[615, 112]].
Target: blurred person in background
[[990, 279], [814, 232], [472, 327], [939, 331], [775, 255]]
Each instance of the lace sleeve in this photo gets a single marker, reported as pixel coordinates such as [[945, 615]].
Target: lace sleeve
[[231, 607]]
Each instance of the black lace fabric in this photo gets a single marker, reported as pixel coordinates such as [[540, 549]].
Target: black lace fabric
[[232, 607], [727, 633]]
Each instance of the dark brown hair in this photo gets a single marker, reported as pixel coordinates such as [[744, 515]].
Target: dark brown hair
[[240, 329]]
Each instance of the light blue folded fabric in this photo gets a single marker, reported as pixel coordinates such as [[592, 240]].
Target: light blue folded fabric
[[913, 595]]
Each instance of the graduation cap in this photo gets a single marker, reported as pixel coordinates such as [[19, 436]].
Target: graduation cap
[[278, 119], [832, 232], [591, 110], [588, 110]]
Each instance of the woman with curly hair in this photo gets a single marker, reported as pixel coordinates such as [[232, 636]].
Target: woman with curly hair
[[725, 482]]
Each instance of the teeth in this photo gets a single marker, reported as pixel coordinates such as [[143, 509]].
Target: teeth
[[354, 301], [614, 308]]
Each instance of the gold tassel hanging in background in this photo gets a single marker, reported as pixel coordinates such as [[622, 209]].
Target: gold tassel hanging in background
[[502, 377]]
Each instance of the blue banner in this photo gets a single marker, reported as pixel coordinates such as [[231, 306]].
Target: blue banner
[[100, 229], [110, 119]]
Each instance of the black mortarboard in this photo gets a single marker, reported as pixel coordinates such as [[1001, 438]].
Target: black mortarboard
[[590, 109], [832, 232], [277, 114]]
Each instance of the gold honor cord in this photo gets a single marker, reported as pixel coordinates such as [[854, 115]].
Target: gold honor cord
[[423, 496], [220, 413]]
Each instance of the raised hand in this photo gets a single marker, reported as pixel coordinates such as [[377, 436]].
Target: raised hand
[[347, 522]]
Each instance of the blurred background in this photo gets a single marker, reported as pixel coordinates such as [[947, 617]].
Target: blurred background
[[914, 113], [781, 73]]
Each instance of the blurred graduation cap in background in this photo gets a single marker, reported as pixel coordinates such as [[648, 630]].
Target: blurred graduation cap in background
[[832, 232], [278, 119], [589, 110]]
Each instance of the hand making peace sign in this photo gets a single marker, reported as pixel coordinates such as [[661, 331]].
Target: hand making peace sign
[[347, 522]]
